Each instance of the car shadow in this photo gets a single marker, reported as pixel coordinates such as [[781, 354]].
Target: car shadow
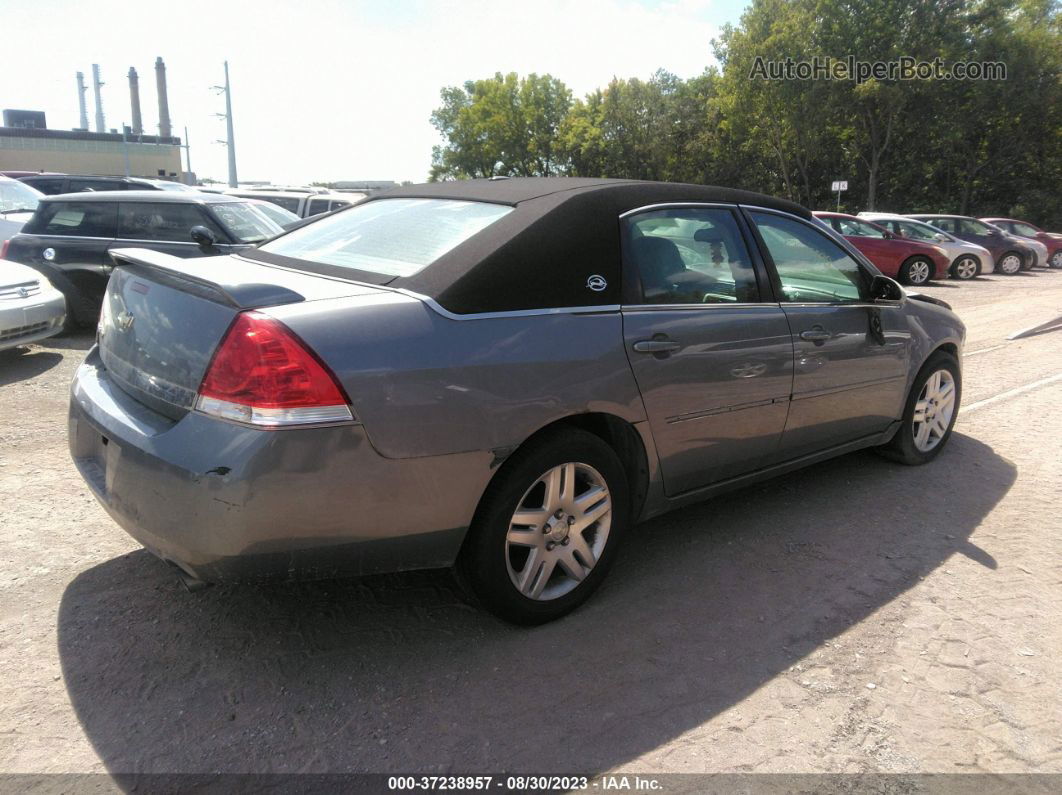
[[22, 363], [398, 674]]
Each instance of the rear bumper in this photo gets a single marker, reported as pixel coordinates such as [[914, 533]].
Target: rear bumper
[[31, 319], [227, 502]]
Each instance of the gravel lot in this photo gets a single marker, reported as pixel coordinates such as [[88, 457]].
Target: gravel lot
[[857, 616]]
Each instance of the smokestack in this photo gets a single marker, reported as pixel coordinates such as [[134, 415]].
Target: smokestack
[[164, 105], [81, 89], [134, 100], [101, 127]]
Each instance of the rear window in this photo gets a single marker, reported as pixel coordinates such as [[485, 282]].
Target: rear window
[[81, 219], [392, 237]]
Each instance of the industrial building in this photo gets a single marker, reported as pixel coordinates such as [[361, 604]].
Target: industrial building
[[26, 143]]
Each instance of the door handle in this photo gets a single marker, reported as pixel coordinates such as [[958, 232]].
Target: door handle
[[817, 334], [656, 346]]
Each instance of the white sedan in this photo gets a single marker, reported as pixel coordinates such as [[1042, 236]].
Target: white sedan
[[30, 308]]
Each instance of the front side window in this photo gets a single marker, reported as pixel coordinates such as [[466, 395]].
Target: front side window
[[854, 228], [690, 256], [316, 207], [167, 221], [391, 237], [80, 219], [1025, 229], [971, 227], [914, 231], [244, 223], [947, 224], [810, 266]]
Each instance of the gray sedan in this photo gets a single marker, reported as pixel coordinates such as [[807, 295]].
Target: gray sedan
[[501, 376]]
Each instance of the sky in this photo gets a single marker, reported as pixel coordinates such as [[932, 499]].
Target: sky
[[328, 90]]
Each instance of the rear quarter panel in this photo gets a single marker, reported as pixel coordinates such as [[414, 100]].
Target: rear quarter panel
[[426, 384]]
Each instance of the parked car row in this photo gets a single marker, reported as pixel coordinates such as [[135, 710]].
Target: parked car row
[[918, 248]]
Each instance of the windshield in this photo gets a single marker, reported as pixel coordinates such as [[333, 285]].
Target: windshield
[[393, 237], [244, 222], [275, 213], [17, 196], [164, 185]]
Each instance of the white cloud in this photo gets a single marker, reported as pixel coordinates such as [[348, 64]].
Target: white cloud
[[336, 90]]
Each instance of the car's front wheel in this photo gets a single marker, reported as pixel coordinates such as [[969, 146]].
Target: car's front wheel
[[930, 413], [547, 529], [916, 271], [965, 267], [1010, 263]]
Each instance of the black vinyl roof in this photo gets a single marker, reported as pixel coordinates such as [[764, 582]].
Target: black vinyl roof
[[562, 231]]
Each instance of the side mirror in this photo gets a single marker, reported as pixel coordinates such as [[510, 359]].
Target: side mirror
[[940, 238], [203, 236], [882, 288]]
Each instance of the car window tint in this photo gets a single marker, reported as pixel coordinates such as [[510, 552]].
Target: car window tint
[[316, 207], [245, 223], [810, 266], [168, 221], [913, 231], [289, 203], [78, 185], [970, 227], [83, 219], [947, 224], [1024, 229], [46, 186], [690, 256]]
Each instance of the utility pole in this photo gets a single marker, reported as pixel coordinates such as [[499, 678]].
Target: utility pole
[[227, 116], [187, 154]]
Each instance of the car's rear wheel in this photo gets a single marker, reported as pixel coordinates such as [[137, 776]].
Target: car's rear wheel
[[1056, 259], [1010, 263], [547, 529], [916, 271], [965, 267], [930, 413]]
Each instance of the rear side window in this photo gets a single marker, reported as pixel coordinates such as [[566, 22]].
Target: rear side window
[[171, 222], [811, 267], [690, 256], [79, 219], [78, 185], [392, 237]]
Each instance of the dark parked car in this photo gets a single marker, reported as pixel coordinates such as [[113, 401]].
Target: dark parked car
[[913, 262], [505, 375], [52, 184], [69, 237], [1052, 241], [1011, 253]]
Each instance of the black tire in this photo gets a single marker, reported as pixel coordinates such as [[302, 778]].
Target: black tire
[[483, 566], [964, 273], [917, 280], [902, 447], [1003, 258]]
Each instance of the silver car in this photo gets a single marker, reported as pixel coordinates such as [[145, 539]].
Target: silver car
[[501, 376], [967, 259], [17, 204], [30, 308]]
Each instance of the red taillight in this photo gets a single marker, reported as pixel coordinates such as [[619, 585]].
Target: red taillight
[[3, 249], [264, 375]]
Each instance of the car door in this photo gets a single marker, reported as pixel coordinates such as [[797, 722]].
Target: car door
[[711, 353], [872, 243], [851, 355], [166, 227]]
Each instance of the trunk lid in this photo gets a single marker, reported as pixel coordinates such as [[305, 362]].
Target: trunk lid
[[163, 317]]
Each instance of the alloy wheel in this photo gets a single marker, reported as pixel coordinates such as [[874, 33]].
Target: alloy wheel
[[1056, 259], [1010, 264], [966, 268], [918, 272], [558, 532], [934, 410]]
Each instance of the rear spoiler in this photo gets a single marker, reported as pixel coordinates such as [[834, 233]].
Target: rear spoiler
[[223, 280]]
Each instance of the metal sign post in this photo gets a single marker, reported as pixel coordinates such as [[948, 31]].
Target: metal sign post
[[839, 186]]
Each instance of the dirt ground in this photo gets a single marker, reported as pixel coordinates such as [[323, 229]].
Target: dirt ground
[[857, 616]]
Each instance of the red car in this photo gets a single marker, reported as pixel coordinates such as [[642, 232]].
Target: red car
[[1052, 240], [908, 261]]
